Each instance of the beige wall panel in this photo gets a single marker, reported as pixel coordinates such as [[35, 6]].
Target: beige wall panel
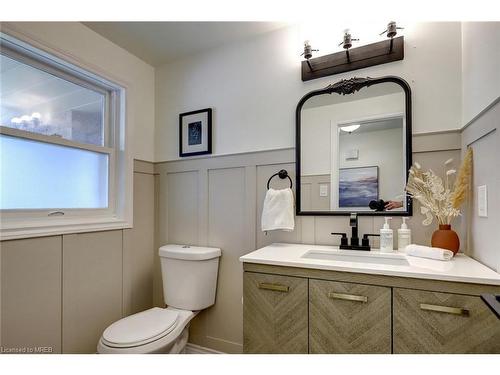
[[182, 214], [306, 196], [31, 293], [221, 326], [263, 174], [92, 288], [310, 198], [139, 249], [422, 234], [325, 225], [484, 137], [142, 166], [157, 281], [439, 141]]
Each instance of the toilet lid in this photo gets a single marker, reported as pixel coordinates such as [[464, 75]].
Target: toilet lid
[[140, 328]]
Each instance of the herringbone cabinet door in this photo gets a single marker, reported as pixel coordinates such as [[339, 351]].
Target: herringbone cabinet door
[[429, 322], [274, 314], [349, 318]]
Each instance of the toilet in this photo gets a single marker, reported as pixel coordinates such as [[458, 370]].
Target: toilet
[[189, 276]]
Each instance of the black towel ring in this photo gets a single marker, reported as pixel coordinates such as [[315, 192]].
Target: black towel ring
[[281, 174]]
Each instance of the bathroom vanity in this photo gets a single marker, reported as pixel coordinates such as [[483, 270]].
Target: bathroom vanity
[[318, 299]]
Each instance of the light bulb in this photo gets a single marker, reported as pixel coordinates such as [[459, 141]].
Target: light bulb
[[349, 128]]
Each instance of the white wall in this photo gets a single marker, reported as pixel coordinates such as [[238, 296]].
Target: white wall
[[82, 46], [254, 87], [480, 67], [316, 122], [381, 148]]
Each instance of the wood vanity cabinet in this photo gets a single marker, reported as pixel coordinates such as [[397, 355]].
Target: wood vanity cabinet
[[430, 322], [349, 318], [274, 314], [297, 310]]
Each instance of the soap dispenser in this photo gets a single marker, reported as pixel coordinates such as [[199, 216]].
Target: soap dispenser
[[404, 236], [386, 237]]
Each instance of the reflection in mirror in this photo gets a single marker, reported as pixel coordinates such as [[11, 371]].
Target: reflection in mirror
[[353, 151]]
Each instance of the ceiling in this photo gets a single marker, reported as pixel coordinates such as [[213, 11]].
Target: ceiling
[[378, 125], [159, 43]]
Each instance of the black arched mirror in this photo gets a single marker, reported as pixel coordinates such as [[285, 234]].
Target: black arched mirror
[[353, 148]]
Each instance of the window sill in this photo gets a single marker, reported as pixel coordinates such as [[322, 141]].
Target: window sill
[[19, 230]]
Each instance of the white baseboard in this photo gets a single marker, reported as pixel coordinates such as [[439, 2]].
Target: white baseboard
[[197, 349]]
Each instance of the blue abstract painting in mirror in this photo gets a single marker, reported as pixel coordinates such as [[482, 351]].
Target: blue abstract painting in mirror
[[358, 186]]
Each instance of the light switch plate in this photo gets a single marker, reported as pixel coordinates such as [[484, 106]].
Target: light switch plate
[[482, 201], [323, 190], [352, 154]]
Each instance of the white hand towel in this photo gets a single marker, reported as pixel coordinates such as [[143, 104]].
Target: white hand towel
[[428, 252], [277, 213]]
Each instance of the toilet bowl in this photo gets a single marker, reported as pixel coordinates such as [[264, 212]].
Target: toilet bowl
[[157, 330], [189, 277]]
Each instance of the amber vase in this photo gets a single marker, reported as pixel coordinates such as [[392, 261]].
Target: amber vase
[[446, 238]]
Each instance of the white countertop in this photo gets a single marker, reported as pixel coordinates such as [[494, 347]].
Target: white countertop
[[461, 268]]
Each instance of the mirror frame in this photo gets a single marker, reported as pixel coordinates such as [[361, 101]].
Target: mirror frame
[[347, 87]]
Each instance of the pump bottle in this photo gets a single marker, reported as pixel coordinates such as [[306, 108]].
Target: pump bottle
[[404, 236], [386, 237]]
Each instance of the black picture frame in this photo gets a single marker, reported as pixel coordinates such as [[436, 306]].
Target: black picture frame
[[208, 111], [347, 87]]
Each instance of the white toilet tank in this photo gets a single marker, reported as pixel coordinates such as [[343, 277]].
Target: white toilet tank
[[189, 275]]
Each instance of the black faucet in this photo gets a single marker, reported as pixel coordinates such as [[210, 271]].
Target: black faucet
[[354, 245], [353, 223]]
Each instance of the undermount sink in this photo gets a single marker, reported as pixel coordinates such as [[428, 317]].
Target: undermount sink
[[394, 260]]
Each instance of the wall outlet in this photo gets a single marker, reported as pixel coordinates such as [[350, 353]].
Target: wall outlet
[[482, 201], [323, 190]]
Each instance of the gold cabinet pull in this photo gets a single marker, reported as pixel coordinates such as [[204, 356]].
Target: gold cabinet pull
[[348, 297], [274, 287], [445, 309]]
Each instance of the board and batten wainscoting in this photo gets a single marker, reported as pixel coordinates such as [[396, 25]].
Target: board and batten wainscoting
[[217, 201], [481, 133], [61, 292]]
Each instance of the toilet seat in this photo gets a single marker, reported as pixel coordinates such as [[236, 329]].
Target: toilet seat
[[169, 341], [141, 328]]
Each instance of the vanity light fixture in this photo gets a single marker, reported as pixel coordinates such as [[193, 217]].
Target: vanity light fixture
[[391, 31], [347, 43], [308, 50], [350, 128], [382, 52]]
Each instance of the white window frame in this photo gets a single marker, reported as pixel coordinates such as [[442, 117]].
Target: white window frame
[[23, 223]]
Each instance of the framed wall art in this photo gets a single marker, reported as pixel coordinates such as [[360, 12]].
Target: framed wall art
[[195, 132]]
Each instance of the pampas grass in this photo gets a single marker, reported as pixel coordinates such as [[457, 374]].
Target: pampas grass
[[463, 180], [437, 198]]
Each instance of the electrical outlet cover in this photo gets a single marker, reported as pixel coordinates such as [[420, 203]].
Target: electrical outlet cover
[[323, 190], [482, 201]]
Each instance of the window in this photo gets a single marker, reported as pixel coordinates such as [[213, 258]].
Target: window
[[62, 145]]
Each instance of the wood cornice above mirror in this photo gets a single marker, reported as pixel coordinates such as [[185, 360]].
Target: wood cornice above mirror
[[356, 58]]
